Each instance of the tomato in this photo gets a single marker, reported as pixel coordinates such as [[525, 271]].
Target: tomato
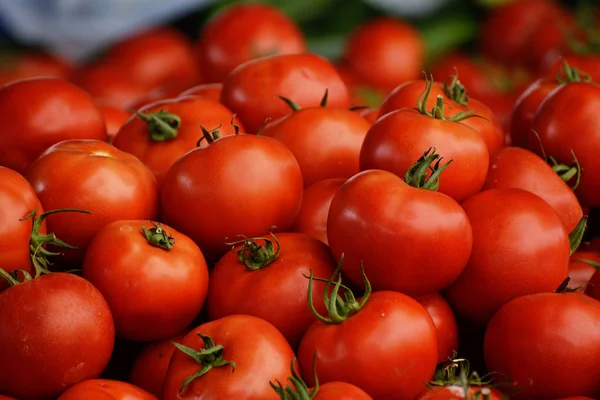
[[370, 114], [150, 367], [361, 93], [354, 330], [32, 64], [385, 52], [456, 392], [168, 272], [551, 40], [114, 117], [572, 108], [589, 63], [261, 283], [159, 93], [533, 337], [513, 167], [57, 330], [400, 137], [582, 266], [243, 32], [325, 141], [236, 347], [316, 200], [101, 389], [252, 89], [239, 196], [445, 324], [155, 57], [40, 112], [2, 397], [520, 247], [164, 131], [93, 176], [209, 90]]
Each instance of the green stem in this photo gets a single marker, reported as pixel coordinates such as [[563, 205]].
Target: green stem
[[290, 103], [588, 262], [298, 390], [253, 255], [571, 74], [157, 236], [576, 236], [324, 99], [567, 172], [162, 125], [209, 136], [416, 174], [455, 90], [437, 111]]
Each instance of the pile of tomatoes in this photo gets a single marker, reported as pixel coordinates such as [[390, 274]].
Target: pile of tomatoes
[[238, 218]]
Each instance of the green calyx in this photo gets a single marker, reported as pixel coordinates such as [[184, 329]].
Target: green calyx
[[298, 390], [296, 107], [157, 236], [437, 111], [253, 255], [209, 136], [576, 236], [566, 172], [339, 308], [568, 74], [162, 125], [416, 174], [455, 90], [211, 356]]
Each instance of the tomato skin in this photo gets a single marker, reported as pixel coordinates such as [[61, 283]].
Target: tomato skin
[[106, 389], [375, 203], [62, 318], [397, 140], [33, 64], [514, 167], [520, 247], [244, 32], [316, 200], [360, 337], [194, 111], [325, 141], [370, 115], [457, 393], [278, 292], [445, 324], [590, 63], [341, 391], [248, 341], [567, 109], [579, 271], [385, 52], [209, 90], [263, 194], [93, 176], [175, 280], [252, 89], [114, 117], [564, 327], [40, 112], [2, 397]]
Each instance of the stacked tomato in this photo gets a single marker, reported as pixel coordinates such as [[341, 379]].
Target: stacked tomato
[[224, 221]]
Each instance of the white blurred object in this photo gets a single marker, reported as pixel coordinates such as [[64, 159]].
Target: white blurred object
[[413, 8], [76, 28]]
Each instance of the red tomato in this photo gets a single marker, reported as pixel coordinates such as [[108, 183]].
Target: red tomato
[[456, 392], [513, 167], [243, 32], [159, 93], [93, 176], [209, 90], [114, 117], [312, 217], [532, 338], [238, 196], [572, 108], [164, 131], [263, 283], [385, 52], [520, 247], [370, 114], [32, 64], [589, 63], [169, 271], [2, 397], [238, 369], [105, 389], [40, 112], [57, 330], [582, 266], [445, 324], [361, 93], [393, 247], [150, 367], [252, 89], [325, 141]]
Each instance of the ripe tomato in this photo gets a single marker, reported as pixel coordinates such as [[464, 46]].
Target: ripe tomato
[[377, 203], [532, 338], [457, 392], [572, 108], [520, 247], [361, 93], [40, 112], [252, 89], [209, 90], [93, 176], [445, 324], [168, 272], [316, 200], [114, 118], [385, 52], [513, 167], [259, 275], [238, 196], [32, 64], [102, 389], [57, 330], [582, 266], [159, 93], [370, 114], [325, 141], [236, 347], [150, 367], [589, 63], [243, 32], [353, 329], [164, 131]]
